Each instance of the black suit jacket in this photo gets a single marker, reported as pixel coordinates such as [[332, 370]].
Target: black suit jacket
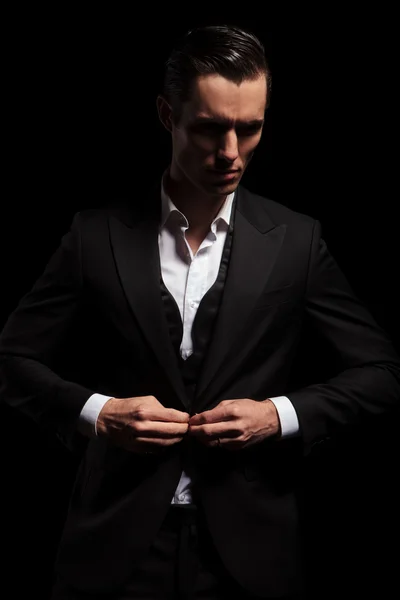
[[94, 322]]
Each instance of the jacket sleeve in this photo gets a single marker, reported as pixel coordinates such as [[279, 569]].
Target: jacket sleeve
[[33, 336], [367, 381]]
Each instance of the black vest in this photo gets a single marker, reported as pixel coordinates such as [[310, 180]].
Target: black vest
[[204, 320], [203, 324]]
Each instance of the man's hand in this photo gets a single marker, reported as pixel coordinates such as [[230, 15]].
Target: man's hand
[[237, 423], [141, 424]]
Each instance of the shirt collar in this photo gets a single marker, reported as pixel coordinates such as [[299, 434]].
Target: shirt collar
[[169, 208]]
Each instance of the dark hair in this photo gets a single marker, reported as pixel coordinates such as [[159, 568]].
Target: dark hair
[[225, 50]]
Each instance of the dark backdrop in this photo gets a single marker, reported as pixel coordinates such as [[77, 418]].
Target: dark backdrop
[[83, 128]]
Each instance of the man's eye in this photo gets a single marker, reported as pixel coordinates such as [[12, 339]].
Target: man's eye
[[208, 128], [217, 129], [247, 131], [213, 128]]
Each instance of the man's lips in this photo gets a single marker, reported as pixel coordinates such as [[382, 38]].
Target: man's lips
[[225, 174]]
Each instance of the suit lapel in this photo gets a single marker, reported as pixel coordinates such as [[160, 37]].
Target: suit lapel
[[135, 246], [255, 248]]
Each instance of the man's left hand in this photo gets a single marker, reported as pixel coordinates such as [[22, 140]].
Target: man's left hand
[[235, 424]]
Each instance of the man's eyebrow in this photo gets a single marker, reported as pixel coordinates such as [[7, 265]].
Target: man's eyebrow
[[201, 119]]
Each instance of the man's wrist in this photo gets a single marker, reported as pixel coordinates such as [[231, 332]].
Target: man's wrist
[[273, 417], [88, 417], [101, 422], [288, 421]]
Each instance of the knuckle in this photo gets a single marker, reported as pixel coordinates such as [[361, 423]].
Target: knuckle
[[140, 413], [234, 410]]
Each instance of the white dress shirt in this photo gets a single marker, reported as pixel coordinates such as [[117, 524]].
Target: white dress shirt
[[188, 277]]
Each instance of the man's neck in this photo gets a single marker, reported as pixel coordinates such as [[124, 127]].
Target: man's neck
[[199, 209]]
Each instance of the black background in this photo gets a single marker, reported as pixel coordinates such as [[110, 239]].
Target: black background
[[81, 127]]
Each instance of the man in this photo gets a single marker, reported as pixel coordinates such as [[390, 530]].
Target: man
[[165, 332]]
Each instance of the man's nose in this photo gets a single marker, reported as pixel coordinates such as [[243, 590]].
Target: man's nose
[[228, 149]]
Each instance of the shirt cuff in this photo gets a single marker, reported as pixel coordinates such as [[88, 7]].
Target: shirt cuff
[[287, 416], [87, 423]]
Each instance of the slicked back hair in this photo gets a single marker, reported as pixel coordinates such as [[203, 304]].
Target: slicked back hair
[[229, 51]]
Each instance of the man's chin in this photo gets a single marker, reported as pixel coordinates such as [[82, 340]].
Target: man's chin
[[222, 189]]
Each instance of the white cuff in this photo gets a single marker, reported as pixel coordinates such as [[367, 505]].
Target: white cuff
[[89, 413], [287, 415]]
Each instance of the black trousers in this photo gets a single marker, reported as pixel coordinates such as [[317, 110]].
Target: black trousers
[[181, 564]]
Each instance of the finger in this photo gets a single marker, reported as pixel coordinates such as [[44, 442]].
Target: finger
[[214, 431], [168, 415], [175, 416], [159, 429], [214, 415], [205, 436]]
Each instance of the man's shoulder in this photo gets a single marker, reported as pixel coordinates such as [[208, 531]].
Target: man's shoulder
[[123, 209], [278, 212]]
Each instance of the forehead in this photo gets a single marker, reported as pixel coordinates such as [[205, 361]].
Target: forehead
[[216, 95]]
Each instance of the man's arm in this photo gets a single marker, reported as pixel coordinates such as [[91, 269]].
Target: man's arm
[[32, 337], [367, 383]]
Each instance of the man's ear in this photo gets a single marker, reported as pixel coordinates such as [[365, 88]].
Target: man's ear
[[164, 113]]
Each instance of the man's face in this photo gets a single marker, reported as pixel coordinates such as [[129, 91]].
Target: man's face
[[218, 131]]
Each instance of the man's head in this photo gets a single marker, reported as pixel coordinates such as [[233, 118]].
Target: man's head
[[216, 90]]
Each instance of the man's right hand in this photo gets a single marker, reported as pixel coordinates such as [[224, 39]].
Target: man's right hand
[[141, 424]]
